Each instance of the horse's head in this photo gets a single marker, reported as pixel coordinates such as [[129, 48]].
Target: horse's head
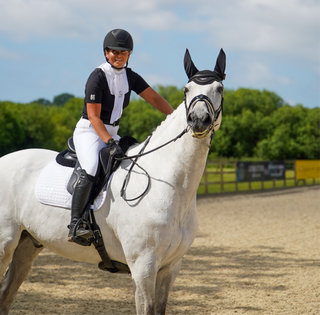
[[204, 96]]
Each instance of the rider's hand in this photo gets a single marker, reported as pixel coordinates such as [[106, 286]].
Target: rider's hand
[[115, 152], [110, 143]]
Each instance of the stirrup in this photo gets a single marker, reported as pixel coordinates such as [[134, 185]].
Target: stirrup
[[77, 233]]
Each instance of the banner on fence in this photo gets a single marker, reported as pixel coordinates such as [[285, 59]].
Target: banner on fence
[[260, 171], [307, 169]]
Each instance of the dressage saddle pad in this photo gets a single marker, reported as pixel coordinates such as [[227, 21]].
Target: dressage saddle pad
[[51, 187]]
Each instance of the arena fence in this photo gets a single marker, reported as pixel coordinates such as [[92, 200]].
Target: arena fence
[[241, 176]]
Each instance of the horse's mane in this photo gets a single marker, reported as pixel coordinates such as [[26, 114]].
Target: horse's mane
[[163, 128]]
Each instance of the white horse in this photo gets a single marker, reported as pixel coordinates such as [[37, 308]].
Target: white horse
[[149, 235]]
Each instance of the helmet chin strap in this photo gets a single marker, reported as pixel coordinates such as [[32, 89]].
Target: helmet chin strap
[[125, 66]]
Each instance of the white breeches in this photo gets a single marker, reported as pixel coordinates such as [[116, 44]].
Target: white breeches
[[88, 144]]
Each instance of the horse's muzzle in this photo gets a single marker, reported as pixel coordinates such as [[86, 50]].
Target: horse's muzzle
[[200, 122]]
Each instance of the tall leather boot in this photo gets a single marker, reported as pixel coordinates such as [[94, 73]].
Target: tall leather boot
[[81, 196]]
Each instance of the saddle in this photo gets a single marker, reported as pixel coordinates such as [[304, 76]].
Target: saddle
[[68, 157]]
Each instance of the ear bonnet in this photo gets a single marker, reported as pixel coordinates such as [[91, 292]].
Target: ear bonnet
[[205, 76]]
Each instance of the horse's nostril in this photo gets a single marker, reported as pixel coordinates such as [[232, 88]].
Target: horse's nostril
[[207, 121]]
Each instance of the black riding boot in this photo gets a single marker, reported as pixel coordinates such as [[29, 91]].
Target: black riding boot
[[80, 199]]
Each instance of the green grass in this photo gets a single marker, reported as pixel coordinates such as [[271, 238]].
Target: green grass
[[228, 176]]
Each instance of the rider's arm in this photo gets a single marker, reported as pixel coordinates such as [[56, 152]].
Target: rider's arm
[[156, 100], [94, 110]]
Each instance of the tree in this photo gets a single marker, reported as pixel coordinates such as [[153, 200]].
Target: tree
[[245, 122], [140, 119], [172, 94], [64, 120], [254, 124], [62, 99], [265, 102], [12, 133], [42, 101]]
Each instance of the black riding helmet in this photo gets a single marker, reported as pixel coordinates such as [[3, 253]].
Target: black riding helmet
[[118, 40]]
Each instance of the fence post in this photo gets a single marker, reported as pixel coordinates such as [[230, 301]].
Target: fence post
[[236, 175], [221, 177]]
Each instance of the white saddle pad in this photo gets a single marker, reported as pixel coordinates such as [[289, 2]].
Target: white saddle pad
[[51, 187]]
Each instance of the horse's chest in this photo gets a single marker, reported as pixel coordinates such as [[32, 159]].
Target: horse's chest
[[183, 232]]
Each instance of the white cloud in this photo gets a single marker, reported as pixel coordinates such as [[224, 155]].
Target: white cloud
[[81, 19], [287, 26], [22, 19]]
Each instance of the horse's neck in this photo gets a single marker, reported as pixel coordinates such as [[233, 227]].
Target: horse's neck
[[183, 161]]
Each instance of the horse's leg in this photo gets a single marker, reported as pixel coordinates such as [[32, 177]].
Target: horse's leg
[[144, 274], [9, 241], [165, 279], [26, 251]]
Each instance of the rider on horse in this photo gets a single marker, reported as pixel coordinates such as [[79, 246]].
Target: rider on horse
[[107, 93]]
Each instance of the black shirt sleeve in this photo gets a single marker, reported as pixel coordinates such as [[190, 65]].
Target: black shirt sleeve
[[95, 86], [136, 82]]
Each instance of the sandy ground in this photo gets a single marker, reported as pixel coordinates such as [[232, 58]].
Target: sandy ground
[[254, 254]]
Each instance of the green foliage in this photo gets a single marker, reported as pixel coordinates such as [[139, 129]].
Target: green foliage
[[264, 101], [255, 124], [64, 120], [172, 94], [11, 127], [62, 99], [295, 134], [140, 119], [37, 126], [42, 101], [259, 124]]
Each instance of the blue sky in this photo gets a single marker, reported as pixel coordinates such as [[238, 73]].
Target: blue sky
[[49, 47]]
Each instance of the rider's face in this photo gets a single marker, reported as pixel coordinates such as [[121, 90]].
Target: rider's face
[[117, 58]]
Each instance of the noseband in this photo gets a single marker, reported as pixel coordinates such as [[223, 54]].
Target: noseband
[[209, 105]]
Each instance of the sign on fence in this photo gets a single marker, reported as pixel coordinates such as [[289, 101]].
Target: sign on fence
[[260, 171], [307, 169]]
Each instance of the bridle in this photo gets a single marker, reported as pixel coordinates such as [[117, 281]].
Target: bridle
[[209, 105]]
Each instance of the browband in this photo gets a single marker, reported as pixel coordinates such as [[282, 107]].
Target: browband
[[205, 77]]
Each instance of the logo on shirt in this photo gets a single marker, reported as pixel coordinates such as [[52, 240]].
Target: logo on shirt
[[92, 97]]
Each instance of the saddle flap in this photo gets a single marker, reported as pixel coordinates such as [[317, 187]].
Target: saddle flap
[[74, 178]]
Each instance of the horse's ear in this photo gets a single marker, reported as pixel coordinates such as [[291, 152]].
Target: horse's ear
[[221, 65], [189, 66]]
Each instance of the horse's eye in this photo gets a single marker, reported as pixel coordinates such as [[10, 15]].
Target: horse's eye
[[220, 89]]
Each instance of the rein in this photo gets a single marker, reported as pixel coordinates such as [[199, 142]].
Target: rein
[[155, 149], [136, 157]]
